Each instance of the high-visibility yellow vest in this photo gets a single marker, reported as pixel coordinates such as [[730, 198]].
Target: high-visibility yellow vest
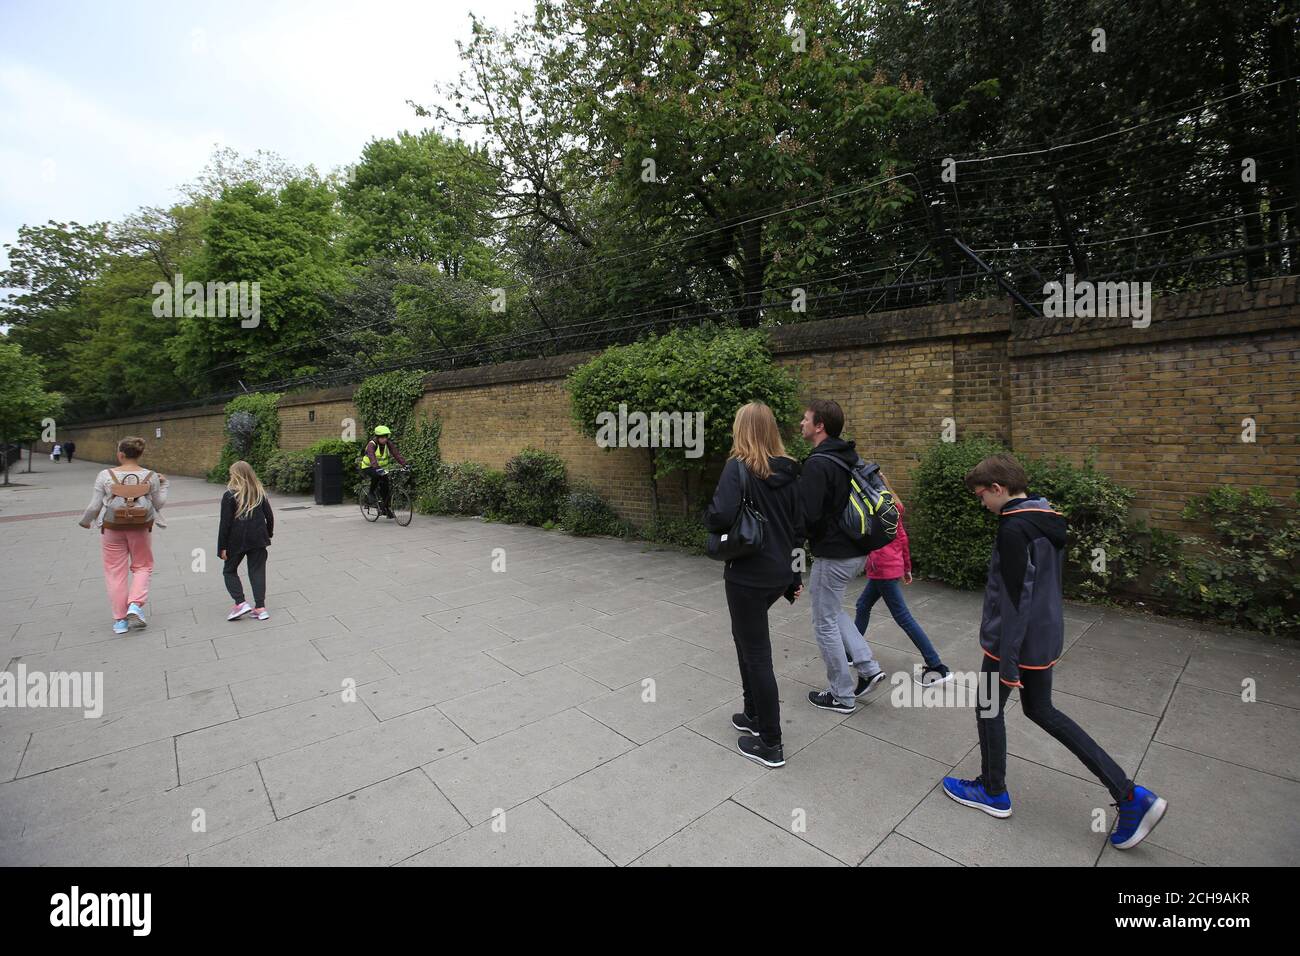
[[383, 457]]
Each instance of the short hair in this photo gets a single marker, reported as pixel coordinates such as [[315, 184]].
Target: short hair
[[1001, 470], [131, 446], [828, 414]]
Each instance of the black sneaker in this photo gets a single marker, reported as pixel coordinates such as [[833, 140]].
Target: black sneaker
[[748, 725], [757, 750], [866, 683], [826, 701], [930, 676]]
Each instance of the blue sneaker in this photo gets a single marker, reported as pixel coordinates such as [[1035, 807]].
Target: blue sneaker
[[137, 612], [121, 627], [971, 793], [1137, 818]]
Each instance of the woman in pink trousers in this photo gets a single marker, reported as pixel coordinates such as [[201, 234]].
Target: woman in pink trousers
[[124, 506]]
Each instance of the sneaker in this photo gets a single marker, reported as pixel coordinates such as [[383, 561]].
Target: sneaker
[[971, 793], [826, 701], [1138, 816], [121, 627], [137, 612], [745, 724], [866, 683], [755, 749], [262, 614], [239, 610], [930, 676]]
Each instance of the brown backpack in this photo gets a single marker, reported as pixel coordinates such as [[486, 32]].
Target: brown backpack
[[129, 507]]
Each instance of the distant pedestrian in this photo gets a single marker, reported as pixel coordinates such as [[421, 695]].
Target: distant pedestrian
[[247, 524], [69, 448], [56, 451], [125, 505]]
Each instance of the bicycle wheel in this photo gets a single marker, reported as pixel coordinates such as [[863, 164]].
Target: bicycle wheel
[[368, 506], [402, 506]]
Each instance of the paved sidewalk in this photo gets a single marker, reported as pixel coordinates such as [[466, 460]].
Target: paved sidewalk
[[502, 718]]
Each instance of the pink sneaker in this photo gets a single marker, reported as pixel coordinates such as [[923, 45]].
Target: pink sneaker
[[239, 610], [262, 614]]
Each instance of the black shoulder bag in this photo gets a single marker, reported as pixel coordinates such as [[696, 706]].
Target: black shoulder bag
[[746, 535]]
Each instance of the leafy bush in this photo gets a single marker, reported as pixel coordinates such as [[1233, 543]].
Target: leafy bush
[[289, 472], [420, 447], [535, 486], [952, 534], [586, 513], [465, 488], [254, 445], [389, 399], [1250, 574], [710, 370], [687, 533]]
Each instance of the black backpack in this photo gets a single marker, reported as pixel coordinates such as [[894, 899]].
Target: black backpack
[[870, 516]]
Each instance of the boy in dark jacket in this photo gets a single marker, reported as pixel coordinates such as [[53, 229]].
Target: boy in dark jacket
[[1022, 633]]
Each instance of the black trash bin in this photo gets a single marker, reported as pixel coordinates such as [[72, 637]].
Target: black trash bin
[[328, 480]]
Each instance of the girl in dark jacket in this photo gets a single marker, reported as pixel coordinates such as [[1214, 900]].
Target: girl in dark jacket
[[759, 463], [247, 524]]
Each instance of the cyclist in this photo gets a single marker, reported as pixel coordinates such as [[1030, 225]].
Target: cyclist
[[377, 461]]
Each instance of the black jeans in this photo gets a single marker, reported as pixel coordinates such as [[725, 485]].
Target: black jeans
[[748, 607], [256, 575], [1036, 702], [381, 488]]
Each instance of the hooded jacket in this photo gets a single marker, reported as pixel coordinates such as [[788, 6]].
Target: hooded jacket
[[1022, 626], [894, 560], [240, 535], [777, 498], [825, 491]]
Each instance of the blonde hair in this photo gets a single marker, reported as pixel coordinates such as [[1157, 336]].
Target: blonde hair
[[247, 488], [755, 438]]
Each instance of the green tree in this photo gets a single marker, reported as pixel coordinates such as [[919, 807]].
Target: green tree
[[24, 402], [52, 265], [423, 198], [285, 242]]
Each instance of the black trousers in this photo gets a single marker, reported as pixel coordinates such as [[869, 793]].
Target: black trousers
[[256, 575], [381, 488], [1036, 702], [748, 607]]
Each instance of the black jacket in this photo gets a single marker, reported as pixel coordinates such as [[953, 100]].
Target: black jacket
[[777, 499], [825, 490], [239, 535], [1022, 624]]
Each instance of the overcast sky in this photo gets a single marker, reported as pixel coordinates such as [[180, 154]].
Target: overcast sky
[[108, 106]]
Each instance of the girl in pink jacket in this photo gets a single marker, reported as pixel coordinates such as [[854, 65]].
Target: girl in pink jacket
[[886, 568]]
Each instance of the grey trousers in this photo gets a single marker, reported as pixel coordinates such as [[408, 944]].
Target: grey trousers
[[838, 638]]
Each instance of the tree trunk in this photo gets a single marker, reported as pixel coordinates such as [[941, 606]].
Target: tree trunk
[[31, 453], [4, 453], [654, 488]]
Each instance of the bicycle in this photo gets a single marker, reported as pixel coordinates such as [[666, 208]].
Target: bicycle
[[399, 498]]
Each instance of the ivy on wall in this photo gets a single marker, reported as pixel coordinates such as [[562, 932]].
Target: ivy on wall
[[252, 433]]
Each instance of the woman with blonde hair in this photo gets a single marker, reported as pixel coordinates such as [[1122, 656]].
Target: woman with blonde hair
[[124, 507], [759, 471], [247, 524]]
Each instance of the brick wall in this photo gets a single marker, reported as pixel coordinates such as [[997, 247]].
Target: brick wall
[[1161, 406]]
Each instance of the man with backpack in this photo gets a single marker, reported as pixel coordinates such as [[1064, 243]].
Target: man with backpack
[[835, 479]]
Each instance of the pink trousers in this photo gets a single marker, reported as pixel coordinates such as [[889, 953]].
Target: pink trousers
[[122, 550]]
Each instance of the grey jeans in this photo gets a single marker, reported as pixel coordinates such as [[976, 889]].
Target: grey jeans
[[838, 638]]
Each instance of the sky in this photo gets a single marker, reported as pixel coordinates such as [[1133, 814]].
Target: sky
[[109, 105]]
